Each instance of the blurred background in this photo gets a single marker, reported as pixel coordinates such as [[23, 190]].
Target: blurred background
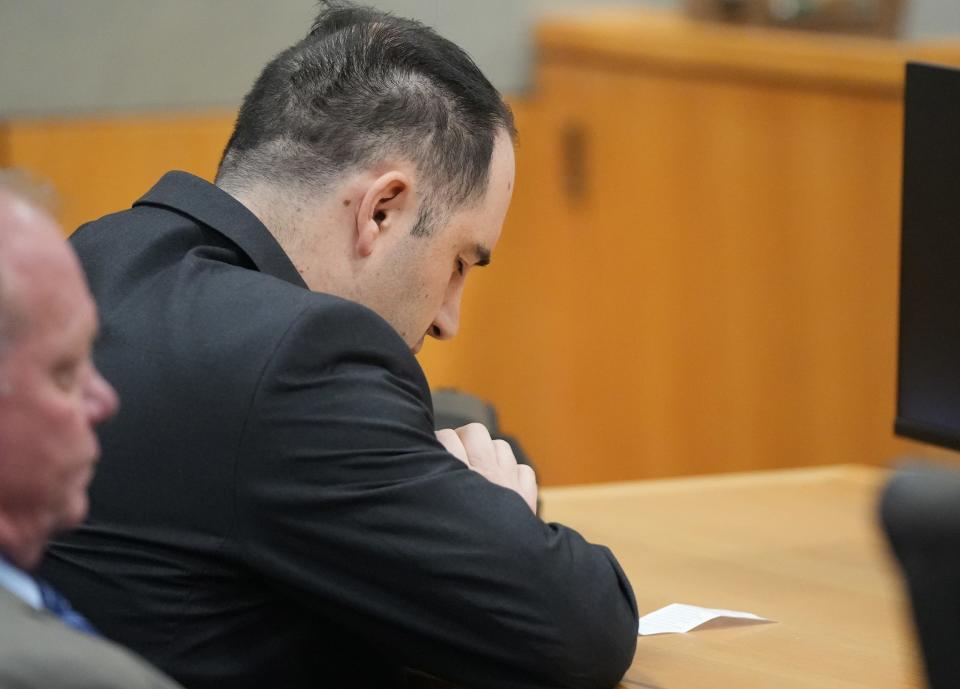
[[700, 269]]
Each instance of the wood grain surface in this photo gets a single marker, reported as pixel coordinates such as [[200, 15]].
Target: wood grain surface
[[801, 547]]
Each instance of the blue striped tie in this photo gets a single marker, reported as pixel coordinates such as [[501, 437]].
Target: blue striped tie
[[56, 604]]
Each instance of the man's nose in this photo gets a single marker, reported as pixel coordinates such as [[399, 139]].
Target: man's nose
[[447, 322], [100, 397]]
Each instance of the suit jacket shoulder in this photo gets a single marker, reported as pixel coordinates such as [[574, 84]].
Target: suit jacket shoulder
[[37, 651]]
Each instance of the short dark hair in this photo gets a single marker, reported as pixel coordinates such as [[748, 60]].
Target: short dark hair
[[364, 84]]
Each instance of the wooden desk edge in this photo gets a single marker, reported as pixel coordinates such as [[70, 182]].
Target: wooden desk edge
[[857, 473]]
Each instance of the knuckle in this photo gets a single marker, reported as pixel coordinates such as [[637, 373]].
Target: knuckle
[[448, 438], [529, 474], [504, 451], [476, 440], [474, 430]]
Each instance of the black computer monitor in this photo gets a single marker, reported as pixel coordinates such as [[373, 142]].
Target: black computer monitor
[[920, 507], [928, 398]]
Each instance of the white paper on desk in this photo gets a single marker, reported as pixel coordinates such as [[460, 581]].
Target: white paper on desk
[[679, 618]]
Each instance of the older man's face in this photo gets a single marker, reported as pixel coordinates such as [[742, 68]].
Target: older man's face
[[52, 395]]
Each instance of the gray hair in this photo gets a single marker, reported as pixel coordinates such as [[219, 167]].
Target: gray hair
[[21, 186], [9, 319], [6, 326]]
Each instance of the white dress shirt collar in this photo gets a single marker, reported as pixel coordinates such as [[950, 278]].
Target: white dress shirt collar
[[20, 584]]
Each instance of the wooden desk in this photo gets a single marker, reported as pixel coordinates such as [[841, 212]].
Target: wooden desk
[[798, 546]]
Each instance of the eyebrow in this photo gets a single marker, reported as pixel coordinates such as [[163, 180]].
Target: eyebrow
[[482, 254]]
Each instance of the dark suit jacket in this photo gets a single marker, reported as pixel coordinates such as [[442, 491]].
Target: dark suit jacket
[[272, 508], [38, 651]]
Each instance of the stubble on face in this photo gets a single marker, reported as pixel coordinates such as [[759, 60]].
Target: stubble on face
[[424, 292]]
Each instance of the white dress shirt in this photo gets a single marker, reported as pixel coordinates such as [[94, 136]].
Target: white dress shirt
[[20, 584]]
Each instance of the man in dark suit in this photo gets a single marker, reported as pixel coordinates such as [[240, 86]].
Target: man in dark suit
[[273, 507], [51, 396]]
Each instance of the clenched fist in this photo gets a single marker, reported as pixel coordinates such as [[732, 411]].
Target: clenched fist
[[492, 459]]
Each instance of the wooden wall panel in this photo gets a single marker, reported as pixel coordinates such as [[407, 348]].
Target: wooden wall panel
[[4, 136], [99, 165], [741, 247]]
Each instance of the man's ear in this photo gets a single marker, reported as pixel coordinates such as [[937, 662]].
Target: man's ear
[[383, 207]]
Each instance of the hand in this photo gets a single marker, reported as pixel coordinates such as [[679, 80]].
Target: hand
[[492, 459]]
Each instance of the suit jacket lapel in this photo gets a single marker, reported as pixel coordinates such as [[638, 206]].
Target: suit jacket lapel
[[215, 208], [11, 602]]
